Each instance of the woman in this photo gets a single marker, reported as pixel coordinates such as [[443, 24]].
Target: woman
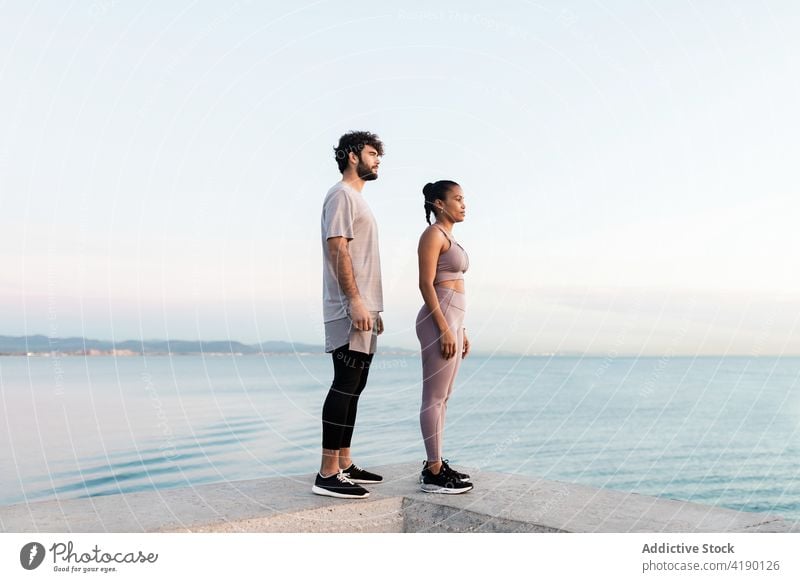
[[442, 337]]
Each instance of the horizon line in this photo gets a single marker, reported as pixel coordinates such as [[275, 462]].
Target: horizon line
[[389, 349]]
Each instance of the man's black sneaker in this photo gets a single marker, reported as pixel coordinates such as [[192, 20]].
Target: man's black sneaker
[[358, 475], [458, 474], [338, 485], [443, 482]]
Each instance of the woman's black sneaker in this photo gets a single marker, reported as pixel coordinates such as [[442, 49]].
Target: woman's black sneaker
[[338, 485], [448, 469], [358, 475], [460, 476], [443, 482]]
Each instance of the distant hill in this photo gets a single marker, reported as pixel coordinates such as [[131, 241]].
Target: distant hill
[[40, 344], [77, 345]]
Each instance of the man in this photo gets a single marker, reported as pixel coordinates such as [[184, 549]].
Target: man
[[352, 304]]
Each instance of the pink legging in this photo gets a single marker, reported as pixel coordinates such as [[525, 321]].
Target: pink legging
[[438, 374]]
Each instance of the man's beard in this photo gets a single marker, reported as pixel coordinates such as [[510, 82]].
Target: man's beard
[[365, 173]]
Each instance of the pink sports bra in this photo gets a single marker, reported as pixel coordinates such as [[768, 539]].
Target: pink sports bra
[[453, 263]]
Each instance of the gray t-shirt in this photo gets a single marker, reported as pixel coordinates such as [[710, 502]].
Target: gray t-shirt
[[345, 213]]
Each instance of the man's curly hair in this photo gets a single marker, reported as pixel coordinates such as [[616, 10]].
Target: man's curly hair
[[354, 141]]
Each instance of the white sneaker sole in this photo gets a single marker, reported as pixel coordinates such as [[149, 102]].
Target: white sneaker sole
[[421, 479], [444, 490], [325, 492]]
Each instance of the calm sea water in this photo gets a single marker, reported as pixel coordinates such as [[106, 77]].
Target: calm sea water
[[721, 431]]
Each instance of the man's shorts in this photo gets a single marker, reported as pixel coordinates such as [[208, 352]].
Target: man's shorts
[[341, 331]]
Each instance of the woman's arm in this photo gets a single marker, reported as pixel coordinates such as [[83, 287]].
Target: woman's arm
[[430, 246]]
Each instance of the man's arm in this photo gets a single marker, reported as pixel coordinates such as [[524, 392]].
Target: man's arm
[[339, 253]]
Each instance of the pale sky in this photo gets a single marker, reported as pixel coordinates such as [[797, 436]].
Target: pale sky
[[630, 168]]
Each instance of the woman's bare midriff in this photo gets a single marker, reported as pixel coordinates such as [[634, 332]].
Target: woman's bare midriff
[[457, 285]]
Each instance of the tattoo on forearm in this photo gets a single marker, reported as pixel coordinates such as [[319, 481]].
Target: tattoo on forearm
[[344, 273]]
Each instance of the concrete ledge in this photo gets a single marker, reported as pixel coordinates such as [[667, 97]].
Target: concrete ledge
[[499, 503]]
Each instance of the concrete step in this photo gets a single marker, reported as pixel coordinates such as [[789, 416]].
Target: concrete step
[[500, 502]]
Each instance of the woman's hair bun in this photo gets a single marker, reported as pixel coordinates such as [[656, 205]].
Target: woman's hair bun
[[426, 190]]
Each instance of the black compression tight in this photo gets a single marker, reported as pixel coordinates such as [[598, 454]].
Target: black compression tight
[[350, 371]]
